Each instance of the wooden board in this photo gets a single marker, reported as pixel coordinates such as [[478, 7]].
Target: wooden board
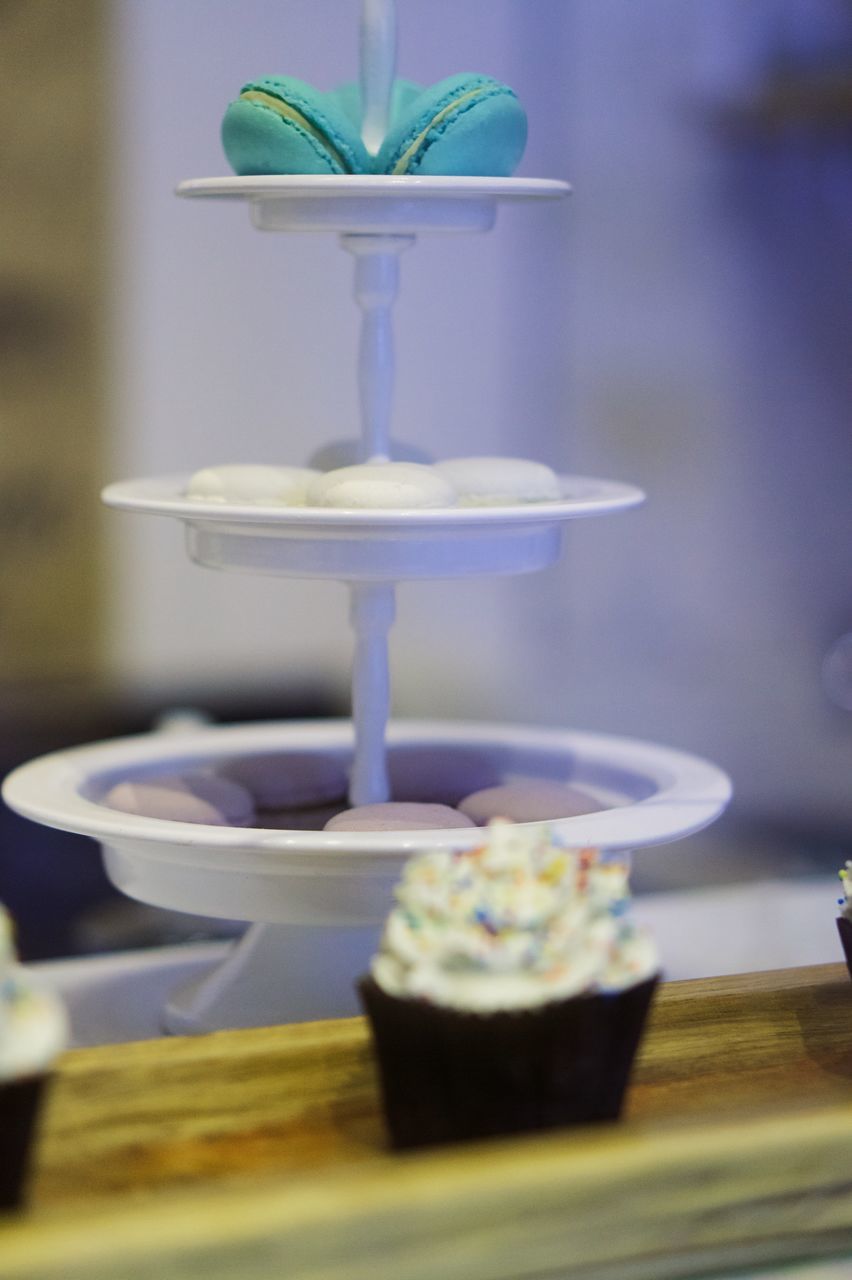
[[261, 1153]]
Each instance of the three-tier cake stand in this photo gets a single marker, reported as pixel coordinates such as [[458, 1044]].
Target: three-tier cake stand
[[316, 898]]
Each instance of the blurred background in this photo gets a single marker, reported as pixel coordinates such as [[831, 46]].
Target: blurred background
[[683, 323]]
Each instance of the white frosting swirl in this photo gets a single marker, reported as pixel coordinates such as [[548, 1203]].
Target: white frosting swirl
[[516, 923], [33, 1023]]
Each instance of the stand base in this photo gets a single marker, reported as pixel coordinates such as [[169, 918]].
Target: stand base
[[276, 974]]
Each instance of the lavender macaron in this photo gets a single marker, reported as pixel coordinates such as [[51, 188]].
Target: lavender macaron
[[193, 796], [289, 779], [529, 800], [398, 815]]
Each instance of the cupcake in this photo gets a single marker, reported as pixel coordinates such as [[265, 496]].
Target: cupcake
[[33, 1032], [510, 991], [844, 920]]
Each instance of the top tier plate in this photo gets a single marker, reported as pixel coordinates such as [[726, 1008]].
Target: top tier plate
[[373, 545], [374, 204]]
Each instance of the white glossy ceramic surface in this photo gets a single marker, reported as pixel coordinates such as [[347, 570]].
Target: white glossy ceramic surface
[[373, 204], [320, 877], [317, 542]]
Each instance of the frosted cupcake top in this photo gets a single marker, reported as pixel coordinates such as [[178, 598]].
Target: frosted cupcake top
[[33, 1024], [513, 924]]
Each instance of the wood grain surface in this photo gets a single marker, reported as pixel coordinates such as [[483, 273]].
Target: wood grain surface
[[261, 1153]]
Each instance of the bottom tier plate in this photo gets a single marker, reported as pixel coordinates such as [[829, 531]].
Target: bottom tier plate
[[654, 795]]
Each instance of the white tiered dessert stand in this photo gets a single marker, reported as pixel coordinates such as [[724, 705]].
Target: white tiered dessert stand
[[316, 898]]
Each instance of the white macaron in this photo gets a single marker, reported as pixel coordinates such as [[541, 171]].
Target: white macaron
[[251, 484], [486, 481], [382, 485]]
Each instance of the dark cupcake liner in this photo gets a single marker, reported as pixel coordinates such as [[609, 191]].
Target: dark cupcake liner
[[450, 1076], [844, 928], [20, 1103]]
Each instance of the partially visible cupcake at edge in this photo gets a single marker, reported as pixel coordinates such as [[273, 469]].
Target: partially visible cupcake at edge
[[33, 1032], [844, 920], [510, 990]]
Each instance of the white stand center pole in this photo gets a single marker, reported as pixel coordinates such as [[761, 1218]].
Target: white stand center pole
[[376, 287], [378, 63], [373, 605], [371, 611]]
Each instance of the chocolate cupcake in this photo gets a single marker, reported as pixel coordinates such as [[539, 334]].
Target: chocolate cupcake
[[844, 920], [33, 1032], [510, 991]]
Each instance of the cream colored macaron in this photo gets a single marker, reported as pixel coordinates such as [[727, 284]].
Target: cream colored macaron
[[252, 484], [382, 485], [530, 800], [486, 481], [398, 815]]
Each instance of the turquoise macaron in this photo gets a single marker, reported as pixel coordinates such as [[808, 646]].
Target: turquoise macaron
[[282, 125], [467, 125]]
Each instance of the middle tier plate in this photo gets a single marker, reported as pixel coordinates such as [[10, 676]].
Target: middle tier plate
[[652, 794], [374, 545]]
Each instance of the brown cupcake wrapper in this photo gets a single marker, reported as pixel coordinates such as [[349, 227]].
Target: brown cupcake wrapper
[[449, 1076], [844, 928], [20, 1104]]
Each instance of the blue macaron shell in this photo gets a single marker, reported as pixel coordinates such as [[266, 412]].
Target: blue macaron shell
[[484, 136], [257, 140]]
